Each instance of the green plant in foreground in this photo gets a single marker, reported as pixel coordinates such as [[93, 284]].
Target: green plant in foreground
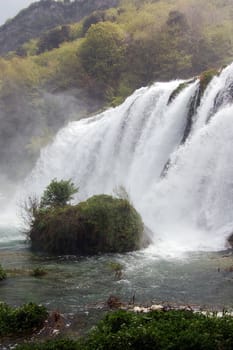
[[21, 320], [172, 330], [56, 344]]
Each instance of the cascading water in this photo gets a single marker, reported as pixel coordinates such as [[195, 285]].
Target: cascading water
[[183, 190]]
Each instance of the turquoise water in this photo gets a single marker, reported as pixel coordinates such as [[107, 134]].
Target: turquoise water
[[84, 284]]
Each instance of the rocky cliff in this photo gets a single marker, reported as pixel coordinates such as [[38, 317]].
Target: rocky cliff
[[44, 15]]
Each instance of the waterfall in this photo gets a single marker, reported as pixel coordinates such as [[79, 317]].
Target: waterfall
[[183, 187]]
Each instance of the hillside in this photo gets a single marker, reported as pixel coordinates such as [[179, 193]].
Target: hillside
[[44, 15], [76, 69]]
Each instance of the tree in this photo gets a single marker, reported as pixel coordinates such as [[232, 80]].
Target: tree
[[102, 53], [93, 18], [58, 193], [53, 38]]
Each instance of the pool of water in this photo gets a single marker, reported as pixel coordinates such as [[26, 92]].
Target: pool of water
[[83, 284]]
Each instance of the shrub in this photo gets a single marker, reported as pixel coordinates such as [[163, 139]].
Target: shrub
[[172, 330], [17, 321], [38, 272], [58, 193], [57, 344], [100, 224]]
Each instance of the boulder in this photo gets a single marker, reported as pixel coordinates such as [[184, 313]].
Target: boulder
[[102, 224]]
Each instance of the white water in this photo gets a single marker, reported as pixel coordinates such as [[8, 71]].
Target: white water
[[191, 207]]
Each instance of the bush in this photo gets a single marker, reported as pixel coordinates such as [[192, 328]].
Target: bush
[[18, 321], [57, 344], [102, 224], [58, 193], [38, 272], [2, 274], [172, 330]]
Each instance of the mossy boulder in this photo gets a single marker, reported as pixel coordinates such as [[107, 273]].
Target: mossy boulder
[[102, 224]]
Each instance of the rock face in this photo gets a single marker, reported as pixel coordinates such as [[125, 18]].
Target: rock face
[[102, 224], [230, 240], [44, 15]]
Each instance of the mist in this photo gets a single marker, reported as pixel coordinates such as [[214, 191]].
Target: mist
[[28, 124]]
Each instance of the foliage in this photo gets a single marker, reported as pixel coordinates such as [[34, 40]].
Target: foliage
[[58, 193], [38, 272], [100, 224], [53, 38], [171, 330], [162, 330], [102, 53], [21, 320], [205, 79], [117, 268], [56, 344], [93, 18], [124, 48], [28, 210], [2, 274], [177, 91]]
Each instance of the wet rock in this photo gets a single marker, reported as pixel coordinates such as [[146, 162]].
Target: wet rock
[[114, 302], [230, 240]]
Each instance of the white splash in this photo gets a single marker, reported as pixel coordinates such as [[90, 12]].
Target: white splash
[[190, 207]]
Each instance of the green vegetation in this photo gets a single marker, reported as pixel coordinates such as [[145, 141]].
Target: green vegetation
[[117, 268], [57, 344], [58, 193], [2, 274], [102, 55], [100, 61], [102, 224], [205, 79], [38, 272], [22, 320], [170, 330], [177, 91]]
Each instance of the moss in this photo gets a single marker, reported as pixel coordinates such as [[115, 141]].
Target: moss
[[21, 320], [177, 91], [2, 274], [102, 224], [205, 78]]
